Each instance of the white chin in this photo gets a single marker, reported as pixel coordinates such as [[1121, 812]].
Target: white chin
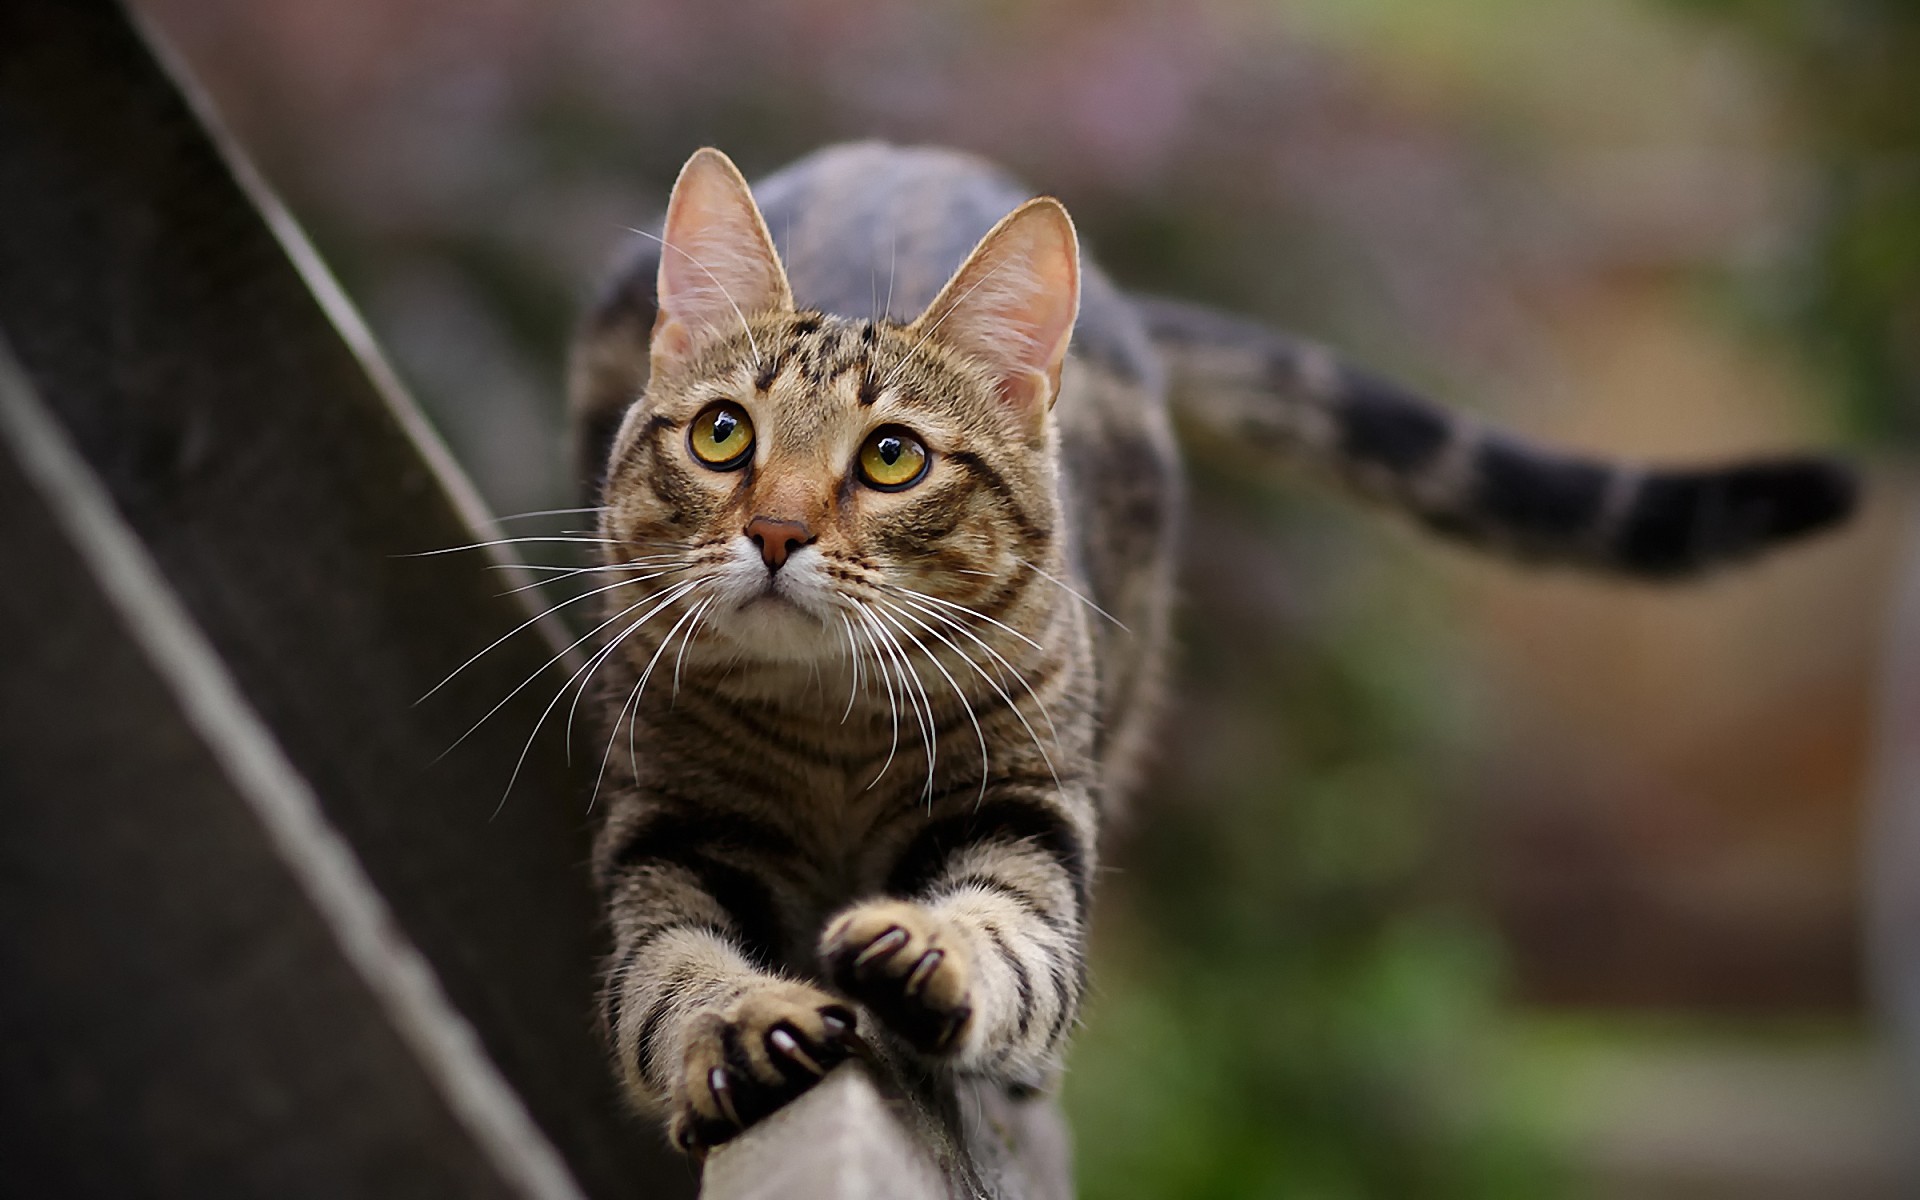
[[788, 619], [771, 628]]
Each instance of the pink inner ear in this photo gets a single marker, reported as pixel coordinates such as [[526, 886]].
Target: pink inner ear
[[1013, 303], [718, 266]]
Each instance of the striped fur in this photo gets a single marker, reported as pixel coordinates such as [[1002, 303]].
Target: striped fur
[[1250, 388], [820, 821]]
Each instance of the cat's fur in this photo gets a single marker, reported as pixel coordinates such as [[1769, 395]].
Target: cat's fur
[[865, 788]]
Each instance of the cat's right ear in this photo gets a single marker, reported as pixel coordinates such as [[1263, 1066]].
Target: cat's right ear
[[717, 264]]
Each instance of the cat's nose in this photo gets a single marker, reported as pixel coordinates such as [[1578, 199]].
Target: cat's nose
[[777, 539]]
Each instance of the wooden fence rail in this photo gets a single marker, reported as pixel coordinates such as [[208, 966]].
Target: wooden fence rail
[[254, 939]]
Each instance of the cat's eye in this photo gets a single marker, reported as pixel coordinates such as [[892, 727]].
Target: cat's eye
[[892, 459], [721, 437]]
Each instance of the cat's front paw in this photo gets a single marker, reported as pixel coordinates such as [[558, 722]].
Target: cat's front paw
[[905, 964], [760, 1052]]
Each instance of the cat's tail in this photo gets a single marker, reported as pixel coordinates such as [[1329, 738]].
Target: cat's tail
[[1246, 386]]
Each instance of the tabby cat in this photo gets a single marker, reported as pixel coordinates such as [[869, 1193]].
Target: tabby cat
[[887, 578]]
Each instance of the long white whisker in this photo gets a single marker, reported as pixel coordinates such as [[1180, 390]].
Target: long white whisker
[[853, 672], [951, 308], [530, 622], [575, 706], [633, 701], [972, 612], [512, 541], [571, 572], [929, 727], [693, 631], [959, 694], [544, 667], [951, 623], [886, 679], [893, 260], [1001, 692], [671, 593], [570, 569], [551, 512], [1076, 595]]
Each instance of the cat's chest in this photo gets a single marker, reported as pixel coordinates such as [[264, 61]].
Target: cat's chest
[[848, 830]]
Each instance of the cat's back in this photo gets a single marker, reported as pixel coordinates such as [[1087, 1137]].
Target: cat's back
[[868, 229]]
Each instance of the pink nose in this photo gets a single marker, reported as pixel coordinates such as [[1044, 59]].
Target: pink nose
[[777, 539]]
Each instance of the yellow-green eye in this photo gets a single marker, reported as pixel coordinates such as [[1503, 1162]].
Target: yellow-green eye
[[721, 437], [892, 459]]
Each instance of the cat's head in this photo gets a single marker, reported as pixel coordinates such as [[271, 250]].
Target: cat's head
[[814, 479]]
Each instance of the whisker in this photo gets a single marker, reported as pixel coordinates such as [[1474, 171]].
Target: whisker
[[951, 623], [1076, 595], [529, 623], [893, 260], [929, 727], [541, 671], [512, 541], [1002, 693], [575, 706], [672, 592], [853, 657], [972, 612], [551, 512], [731, 303], [951, 308], [999, 659], [693, 632], [965, 703], [633, 700], [886, 679], [564, 573]]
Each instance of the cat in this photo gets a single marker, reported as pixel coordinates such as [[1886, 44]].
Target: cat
[[888, 581]]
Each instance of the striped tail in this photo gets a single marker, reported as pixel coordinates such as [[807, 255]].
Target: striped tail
[[1252, 387]]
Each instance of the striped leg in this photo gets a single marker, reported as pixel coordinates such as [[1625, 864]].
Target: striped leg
[[702, 1031], [977, 958]]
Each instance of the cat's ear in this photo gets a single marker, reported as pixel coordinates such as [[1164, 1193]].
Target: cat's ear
[[1012, 304], [717, 266]]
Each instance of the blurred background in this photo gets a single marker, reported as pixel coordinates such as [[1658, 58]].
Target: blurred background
[[1455, 880]]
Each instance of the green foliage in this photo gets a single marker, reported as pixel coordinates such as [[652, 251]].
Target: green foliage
[[1852, 290], [1293, 999]]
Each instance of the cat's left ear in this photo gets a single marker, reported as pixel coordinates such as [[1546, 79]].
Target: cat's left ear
[[718, 265], [1012, 304]]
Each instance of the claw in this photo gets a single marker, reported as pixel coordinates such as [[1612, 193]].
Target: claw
[[786, 1044], [955, 1023], [882, 946], [922, 971], [722, 1089]]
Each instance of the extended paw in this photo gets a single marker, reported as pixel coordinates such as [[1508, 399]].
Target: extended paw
[[902, 962], [748, 1059]]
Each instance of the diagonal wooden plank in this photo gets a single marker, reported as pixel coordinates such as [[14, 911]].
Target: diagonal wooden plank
[[183, 927], [273, 475]]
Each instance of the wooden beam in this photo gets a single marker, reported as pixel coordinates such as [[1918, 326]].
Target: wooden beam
[[179, 1009]]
